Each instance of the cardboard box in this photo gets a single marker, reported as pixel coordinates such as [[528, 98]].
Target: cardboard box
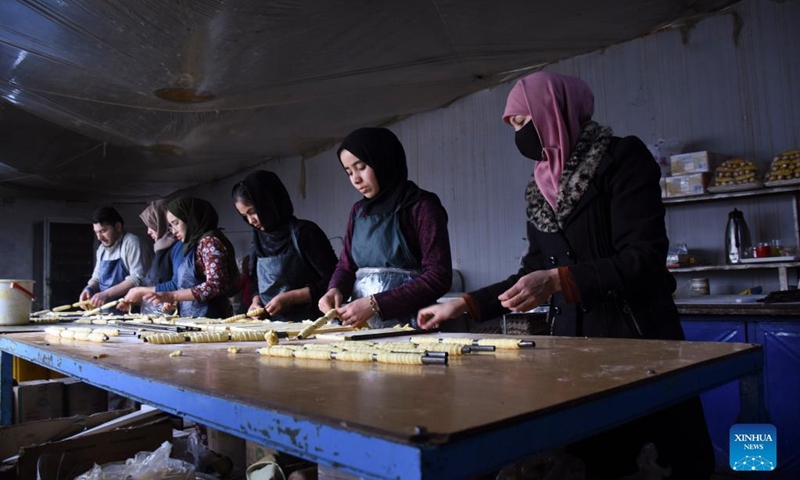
[[227, 445], [684, 185], [81, 398], [694, 162], [255, 452], [72, 457], [38, 400], [30, 434]]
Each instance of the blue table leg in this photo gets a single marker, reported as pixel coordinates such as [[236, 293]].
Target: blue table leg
[[6, 388]]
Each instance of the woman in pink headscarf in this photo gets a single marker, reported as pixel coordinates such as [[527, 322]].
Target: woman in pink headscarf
[[597, 244]]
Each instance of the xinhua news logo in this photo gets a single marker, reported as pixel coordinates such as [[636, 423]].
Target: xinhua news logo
[[753, 447]]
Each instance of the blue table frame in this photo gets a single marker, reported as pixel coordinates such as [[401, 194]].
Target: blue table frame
[[415, 446]]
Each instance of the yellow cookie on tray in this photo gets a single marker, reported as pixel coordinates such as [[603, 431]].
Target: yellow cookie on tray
[[785, 166], [735, 171]]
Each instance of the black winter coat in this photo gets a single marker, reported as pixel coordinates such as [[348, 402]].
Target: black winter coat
[[615, 244]]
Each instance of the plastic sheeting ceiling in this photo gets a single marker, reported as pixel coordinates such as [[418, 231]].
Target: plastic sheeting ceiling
[[134, 99]]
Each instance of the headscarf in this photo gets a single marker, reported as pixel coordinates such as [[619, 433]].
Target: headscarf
[[154, 217], [559, 106], [201, 221], [382, 151], [274, 209]]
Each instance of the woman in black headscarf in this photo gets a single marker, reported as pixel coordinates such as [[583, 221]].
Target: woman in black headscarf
[[396, 254], [207, 275], [291, 260]]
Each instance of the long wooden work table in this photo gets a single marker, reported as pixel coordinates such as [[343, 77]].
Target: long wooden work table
[[478, 413]]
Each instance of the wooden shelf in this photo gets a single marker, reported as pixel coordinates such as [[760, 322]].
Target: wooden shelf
[[738, 266], [740, 194]]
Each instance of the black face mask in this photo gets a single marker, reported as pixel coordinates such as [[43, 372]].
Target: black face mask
[[528, 142]]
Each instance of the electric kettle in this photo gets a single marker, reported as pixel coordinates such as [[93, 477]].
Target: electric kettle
[[737, 237]]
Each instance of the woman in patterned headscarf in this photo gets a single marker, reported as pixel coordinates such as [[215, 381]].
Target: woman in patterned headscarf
[[597, 248], [396, 253], [207, 274], [291, 260]]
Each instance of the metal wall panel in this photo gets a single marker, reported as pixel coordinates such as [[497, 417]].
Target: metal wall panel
[[735, 97]]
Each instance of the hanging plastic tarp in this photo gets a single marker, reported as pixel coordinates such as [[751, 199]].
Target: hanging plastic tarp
[[135, 99]]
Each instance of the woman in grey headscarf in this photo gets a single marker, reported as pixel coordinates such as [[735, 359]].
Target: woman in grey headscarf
[[167, 255]]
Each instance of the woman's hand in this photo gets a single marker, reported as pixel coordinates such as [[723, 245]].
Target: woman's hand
[[135, 295], [99, 299], [332, 299], [84, 296], [279, 303], [531, 290], [255, 305], [355, 313], [434, 315], [159, 297]]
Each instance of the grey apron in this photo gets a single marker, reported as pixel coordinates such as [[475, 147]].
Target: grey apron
[[384, 261], [217, 307], [281, 273]]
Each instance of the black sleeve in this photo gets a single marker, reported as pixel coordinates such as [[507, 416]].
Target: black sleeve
[[318, 253], [486, 297], [638, 232]]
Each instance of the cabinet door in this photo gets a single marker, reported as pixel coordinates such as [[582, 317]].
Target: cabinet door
[[781, 343], [721, 405]]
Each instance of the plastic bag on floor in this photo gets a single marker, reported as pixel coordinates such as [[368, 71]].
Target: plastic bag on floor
[[144, 466]]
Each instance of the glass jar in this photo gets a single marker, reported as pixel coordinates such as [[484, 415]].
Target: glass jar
[[763, 249]]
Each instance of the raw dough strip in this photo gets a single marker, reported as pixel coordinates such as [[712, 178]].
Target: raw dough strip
[[352, 356], [207, 337], [505, 343], [102, 307], [309, 330], [55, 331], [163, 338], [111, 332], [313, 354], [248, 335], [97, 337], [500, 343], [64, 308], [45, 320], [252, 313], [278, 350]]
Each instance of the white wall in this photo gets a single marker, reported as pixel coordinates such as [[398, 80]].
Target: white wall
[[711, 92]]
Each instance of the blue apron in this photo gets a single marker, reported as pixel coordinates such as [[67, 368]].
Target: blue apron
[[112, 272], [384, 261], [281, 273], [218, 307]]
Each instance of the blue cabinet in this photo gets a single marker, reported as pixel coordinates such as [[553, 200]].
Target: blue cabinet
[[781, 341]]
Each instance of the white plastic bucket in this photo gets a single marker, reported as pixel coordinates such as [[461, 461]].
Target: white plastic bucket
[[15, 301]]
